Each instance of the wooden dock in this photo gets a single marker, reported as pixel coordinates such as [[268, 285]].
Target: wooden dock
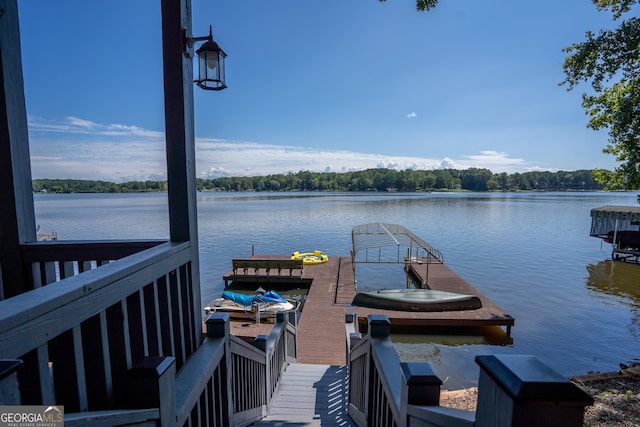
[[438, 276], [321, 332]]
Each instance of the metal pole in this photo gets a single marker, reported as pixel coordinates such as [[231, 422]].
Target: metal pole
[[615, 238]]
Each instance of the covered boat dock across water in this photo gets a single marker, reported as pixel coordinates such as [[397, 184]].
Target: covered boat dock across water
[[620, 226]]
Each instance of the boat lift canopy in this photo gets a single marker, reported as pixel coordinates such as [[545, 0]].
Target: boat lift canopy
[[389, 243], [606, 219], [620, 226]]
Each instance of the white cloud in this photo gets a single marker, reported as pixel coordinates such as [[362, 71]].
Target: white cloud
[[74, 125], [493, 160], [82, 149], [74, 121], [274, 159], [411, 115]]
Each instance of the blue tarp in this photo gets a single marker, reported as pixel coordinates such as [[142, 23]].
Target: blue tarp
[[248, 300]]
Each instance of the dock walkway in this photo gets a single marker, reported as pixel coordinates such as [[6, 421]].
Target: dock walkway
[[321, 333]]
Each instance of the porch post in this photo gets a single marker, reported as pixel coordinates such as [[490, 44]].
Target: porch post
[[178, 104], [17, 217], [180, 139]]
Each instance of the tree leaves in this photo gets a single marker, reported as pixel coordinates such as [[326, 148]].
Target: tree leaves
[[424, 5], [610, 62]]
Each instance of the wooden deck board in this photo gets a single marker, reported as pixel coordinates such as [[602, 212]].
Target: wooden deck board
[[310, 395], [321, 338]]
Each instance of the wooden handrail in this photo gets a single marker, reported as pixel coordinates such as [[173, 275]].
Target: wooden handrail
[[254, 371], [57, 260], [79, 335], [81, 250], [375, 379], [192, 379], [38, 315]]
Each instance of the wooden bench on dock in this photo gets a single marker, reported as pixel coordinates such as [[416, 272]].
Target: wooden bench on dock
[[264, 269]]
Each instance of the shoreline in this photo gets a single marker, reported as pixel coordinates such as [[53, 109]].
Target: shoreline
[[616, 397], [632, 372]]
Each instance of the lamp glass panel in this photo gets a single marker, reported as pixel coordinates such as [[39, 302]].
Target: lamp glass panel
[[202, 67], [221, 76], [212, 63], [209, 66]]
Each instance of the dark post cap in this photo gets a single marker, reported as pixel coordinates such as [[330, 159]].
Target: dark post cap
[[526, 379], [152, 366], [420, 373], [261, 342], [217, 325], [379, 325]]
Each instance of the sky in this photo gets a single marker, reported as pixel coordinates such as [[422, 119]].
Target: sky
[[329, 85]]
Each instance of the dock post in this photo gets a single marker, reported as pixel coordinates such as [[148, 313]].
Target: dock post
[[262, 343], [379, 325], [218, 325], [353, 337], [520, 390], [152, 385], [420, 386]]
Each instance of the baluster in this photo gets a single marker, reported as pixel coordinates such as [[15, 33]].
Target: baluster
[[9, 385]]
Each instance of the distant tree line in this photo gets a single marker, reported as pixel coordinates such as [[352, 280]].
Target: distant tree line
[[87, 186], [473, 179]]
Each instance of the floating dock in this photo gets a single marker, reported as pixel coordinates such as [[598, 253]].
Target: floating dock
[[332, 287]]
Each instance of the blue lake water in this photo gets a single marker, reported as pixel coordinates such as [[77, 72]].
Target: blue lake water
[[530, 253]]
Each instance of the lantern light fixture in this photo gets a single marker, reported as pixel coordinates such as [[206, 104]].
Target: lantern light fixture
[[210, 62]]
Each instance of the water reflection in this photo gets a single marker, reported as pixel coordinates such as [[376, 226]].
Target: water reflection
[[452, 350], [620, 280], [454, 335], [615, 278]]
